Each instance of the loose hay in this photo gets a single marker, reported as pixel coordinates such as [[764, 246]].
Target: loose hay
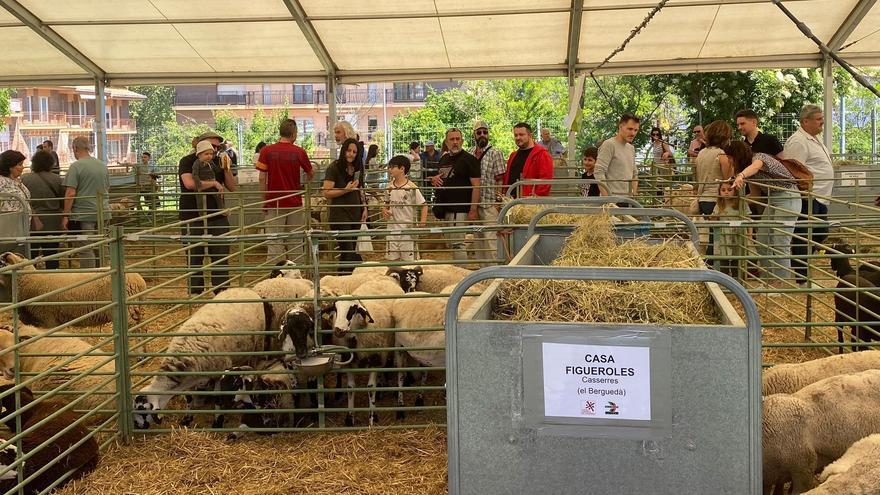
[[523, 214], [593, 243], [191, 463]]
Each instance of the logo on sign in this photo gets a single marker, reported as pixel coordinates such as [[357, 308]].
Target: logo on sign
[[611, 409], [589, 408]]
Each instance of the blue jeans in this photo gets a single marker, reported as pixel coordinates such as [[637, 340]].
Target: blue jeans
[[782, 206]]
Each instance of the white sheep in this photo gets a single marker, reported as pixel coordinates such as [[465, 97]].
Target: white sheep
[[789, 378], [285, 288], [98, 369], [435, 277], [360, 314], [32, 283], [805, 431], [228, 315], [423, 312], [285, 269], [346, 284], [856, 473]]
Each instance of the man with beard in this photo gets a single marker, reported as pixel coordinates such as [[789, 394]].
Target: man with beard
[[529, 161], [492, 169], [457, 193], [616, 165]]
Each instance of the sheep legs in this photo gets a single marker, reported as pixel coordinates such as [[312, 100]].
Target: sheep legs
[[349, 418], [371, 384]]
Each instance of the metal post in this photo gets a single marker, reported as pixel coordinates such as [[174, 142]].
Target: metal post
[[874, 133], [120, 334], [842, 116], [571, 145], [828, 101], [331, 101], [100, 121], [388, 150]]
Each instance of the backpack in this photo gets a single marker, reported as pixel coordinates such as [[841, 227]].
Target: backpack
[[802, 175]]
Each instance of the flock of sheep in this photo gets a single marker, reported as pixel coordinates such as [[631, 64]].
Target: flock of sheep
[[820, 414]]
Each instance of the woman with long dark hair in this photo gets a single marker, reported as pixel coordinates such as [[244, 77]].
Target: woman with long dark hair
[[373, 154], [783, 205], [47, 201], [343, 188]]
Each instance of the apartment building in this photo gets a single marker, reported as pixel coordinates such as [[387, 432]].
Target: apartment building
[[365, 106], [65, 112]]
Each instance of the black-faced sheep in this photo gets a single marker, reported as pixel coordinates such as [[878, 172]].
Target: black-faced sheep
[[851, 306], [807, 430], [227, 316], [856, 473], [867, 271], [81, 460], [789, 378], [33, 283], [366, 314], [99, 369]]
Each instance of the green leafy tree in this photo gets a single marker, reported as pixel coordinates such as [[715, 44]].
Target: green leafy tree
[[151, 114], [5, 94]]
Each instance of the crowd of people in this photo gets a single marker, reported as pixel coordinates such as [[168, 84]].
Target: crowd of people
[[463, 187]]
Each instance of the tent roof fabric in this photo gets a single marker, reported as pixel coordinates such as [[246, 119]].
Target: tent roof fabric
[[207, 41]]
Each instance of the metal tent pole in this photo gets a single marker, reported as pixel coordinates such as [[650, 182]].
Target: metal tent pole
[[828, 101], [100, 121]]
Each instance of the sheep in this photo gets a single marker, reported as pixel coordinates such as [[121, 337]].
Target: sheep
[[33, 283], [435, 277], [358, 314], [36, 342], [870, 272], [81, 460], [856, 473], [859, 305], [345, 284], [789, 378], [269, 375], [225, 316], [422, 312], [284, 269], [407, 276], [284, 288], [805, 431]]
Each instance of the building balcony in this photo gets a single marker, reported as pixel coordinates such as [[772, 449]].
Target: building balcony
[[64, 120]]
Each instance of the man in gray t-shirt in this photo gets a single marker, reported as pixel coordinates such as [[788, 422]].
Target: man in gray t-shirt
[[86, 180], [616, 163]]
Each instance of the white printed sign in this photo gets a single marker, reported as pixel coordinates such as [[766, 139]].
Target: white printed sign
[[597, 381], [248, 176], [850, 179]]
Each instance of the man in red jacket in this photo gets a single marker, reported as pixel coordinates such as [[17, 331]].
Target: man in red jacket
[[529, 161]]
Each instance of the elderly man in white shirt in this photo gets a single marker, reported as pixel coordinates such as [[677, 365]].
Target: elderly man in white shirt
[[806, 147]]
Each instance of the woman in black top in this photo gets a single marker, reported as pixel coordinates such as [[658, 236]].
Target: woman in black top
[[46, 200], [343, 188]]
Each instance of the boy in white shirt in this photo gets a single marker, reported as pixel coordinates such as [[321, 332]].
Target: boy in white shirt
[[401, 198]]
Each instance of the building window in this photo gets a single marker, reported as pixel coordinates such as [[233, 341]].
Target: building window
[[44, 109], [372, 124], [34, 141], [28, 108], [302, 93], [411, 91], [305, 126]]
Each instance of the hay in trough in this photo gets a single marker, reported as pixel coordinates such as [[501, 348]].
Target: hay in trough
[[191, 463], [593, 244], [523, 214]]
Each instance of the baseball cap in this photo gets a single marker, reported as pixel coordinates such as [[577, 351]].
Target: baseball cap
[[429, 143], [480, 125]]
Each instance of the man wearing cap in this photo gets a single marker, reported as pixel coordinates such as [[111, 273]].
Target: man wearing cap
[[529, 161], [214, 225], [86, 181], [492, 169], [280, 165]]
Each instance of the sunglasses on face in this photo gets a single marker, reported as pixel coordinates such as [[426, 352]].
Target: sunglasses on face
[[654, 134], [481, 133]]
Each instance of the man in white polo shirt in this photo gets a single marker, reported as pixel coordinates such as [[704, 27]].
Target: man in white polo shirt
[[806, 147]]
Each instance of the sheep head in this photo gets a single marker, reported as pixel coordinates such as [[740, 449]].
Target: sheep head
[[350, 315], [296, 326], [408, 278], [7, 404], [285, 269]]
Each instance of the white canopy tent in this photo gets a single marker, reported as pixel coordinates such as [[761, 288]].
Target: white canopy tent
[[123, 42]]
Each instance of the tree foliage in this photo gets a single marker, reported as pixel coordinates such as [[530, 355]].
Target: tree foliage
[[5, 94]]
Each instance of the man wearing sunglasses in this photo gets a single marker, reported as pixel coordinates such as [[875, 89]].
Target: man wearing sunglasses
[[492, 169]]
